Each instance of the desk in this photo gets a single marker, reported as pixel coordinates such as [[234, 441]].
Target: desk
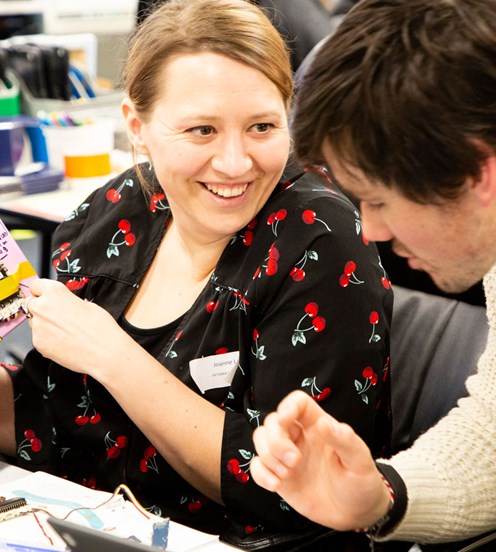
[[10, 473], [44, 212]]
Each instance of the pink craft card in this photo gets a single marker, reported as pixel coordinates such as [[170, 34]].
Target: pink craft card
[[16, 273]]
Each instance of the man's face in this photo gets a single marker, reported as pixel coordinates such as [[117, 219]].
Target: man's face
[[454, 242]]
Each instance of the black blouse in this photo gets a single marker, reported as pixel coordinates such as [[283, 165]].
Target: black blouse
[[298, 300]]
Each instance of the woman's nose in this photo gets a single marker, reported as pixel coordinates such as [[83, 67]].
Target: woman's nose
[[232, 157], [374, 226]]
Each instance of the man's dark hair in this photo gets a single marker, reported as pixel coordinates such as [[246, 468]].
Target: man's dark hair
[[405, 90]]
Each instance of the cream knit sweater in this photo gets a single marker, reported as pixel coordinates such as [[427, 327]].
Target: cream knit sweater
[[450, 471]]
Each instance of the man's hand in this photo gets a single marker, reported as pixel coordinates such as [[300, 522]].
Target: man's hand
[[318, 466]]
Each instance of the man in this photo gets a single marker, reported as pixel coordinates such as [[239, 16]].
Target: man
[[401, 104]]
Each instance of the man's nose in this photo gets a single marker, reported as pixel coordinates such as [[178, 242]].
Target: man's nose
[[374, 226]]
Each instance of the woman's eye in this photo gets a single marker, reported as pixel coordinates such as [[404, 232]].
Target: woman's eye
[[201, 130], [263, 127]]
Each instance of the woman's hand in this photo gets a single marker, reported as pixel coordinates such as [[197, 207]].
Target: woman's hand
[[318, 466], [70, 331]]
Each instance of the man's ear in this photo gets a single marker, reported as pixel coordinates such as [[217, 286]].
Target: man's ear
[[485, 184], [134, 126]]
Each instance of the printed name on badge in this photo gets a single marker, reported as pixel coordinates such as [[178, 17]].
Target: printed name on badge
[[214, 372]]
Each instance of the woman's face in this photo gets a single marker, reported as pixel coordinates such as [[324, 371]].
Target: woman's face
[[218, 140]]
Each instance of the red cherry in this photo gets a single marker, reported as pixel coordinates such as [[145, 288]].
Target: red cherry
[[367, 372], [29, 434], [248, 237], [212, 306], [271, 219], [149, 452], [233, 466], [194, 506], [281, 214], [374, 317], [65, 254], [386, 283], [374, 379], [113, 452], [113, 195], [252, 224], [256, 335], [349, 268], [95, 418], [56, 263], [271, 267], [249, 529], [312, 309], [36, 444], [273, 253], [221, 350], [143, 466], [308, 216], [81, 420], [323, 395], [124, 225], [130, 239], [297, 274], [344, 280], [257, 272], [64, 246], [242, 477], [121, 441], [318, 323]]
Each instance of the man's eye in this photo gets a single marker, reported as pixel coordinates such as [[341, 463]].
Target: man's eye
[[201, 130]]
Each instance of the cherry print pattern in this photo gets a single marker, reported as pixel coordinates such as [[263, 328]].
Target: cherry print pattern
[[374, 320], [129, 238], [371, 379], [318, 324], [257, 350], [30, 441], [114, 195], [240, 469], [349, 276], [149, 460], [359, 227], [77, 283], [274, 218], [310, 217], [78, 211], [114, 446], [385, 281], [156, 202], [297, 272], [171, 353], [86, 405], [317, 394], [61, 260]]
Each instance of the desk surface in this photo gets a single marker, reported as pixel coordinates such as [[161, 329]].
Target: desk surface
[[53, 206], [10, 473]]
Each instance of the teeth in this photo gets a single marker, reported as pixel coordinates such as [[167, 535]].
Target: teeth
[[227, 191]]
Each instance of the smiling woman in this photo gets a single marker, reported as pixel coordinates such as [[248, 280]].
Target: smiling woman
[[213, 286]]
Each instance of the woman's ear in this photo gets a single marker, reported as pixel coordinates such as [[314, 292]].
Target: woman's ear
[[134, 126]]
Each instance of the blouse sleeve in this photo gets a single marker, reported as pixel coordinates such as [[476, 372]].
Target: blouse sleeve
[[322, 320]]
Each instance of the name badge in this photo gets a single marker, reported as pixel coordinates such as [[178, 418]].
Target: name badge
[[214, 372]]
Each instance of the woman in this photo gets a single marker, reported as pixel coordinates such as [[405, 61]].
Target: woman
[[210, 290]]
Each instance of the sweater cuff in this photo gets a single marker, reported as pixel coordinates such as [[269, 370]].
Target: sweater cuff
[[400, 498]]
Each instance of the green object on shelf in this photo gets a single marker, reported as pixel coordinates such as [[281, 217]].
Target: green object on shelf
[[10, 97]]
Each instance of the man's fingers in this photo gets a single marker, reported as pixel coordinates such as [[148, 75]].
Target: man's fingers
[[353, 453]]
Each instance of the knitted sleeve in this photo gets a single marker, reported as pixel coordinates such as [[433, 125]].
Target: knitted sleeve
[[450, 471]]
